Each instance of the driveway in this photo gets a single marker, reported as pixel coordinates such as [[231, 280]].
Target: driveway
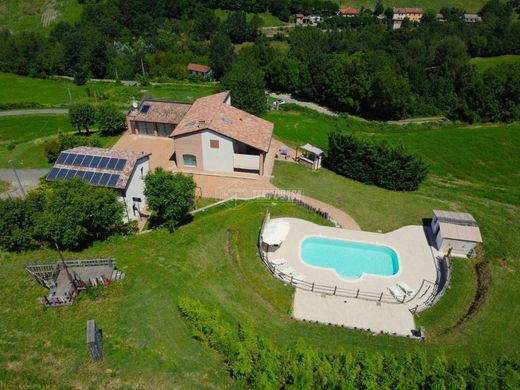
[[28, 177], [303, 103]]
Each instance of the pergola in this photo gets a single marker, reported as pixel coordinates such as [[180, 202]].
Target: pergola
[[310, 156]]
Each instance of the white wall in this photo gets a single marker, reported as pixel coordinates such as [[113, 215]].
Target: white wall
[[460, 247], [217, 160], [135, 188]]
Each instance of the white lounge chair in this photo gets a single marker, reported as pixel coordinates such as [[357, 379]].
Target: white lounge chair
[[298, 278], [406, 288], [287, 271], [277, 262], [398, 294]]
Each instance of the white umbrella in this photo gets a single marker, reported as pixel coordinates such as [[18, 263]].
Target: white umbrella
[[275, 232]]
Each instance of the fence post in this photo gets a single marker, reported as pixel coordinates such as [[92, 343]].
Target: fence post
[[335, 287], [357, 294], [380, 297], [291, 279], [312, 289]]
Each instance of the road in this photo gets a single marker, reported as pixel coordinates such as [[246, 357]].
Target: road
[[39, 111], [311, 105], [28, 177]]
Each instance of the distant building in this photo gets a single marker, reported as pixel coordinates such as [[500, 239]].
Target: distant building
[[120, 170], [440, 18], [200, 70], [307, 20], [413, 14], [348, 12], [455, 232], [471, 18]]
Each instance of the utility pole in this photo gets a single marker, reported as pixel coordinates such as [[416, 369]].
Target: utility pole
[[71, 99], [117, 76], [11, 165], [142, 66]]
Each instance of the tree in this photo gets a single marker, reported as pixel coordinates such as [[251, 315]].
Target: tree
[[111, 121], [221, 54], [379, 8], [247, 86], [237, 27], [282, 74], [76, 214], [54, 147], [82, 116], [169, 196]]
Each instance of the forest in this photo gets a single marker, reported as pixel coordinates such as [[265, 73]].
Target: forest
[[359, 66]]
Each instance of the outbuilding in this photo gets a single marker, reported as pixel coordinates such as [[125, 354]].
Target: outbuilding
[[310, 156], [455, 232], [121, 170]]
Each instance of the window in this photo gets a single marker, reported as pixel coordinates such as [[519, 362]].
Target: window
[[214, 144], [189, 160], [146, 128], [164, 129]]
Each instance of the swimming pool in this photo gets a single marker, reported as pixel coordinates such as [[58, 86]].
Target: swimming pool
[[350, 259]]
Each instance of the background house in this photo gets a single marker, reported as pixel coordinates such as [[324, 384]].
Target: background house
[[200, 70], [471, 18], [400, 14], [121, 170], [455, 230], [348, 12]]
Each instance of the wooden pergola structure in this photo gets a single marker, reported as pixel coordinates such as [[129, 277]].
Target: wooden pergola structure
[[310, 156]]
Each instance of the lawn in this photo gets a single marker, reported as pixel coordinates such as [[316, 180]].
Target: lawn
[[4, 186], [22, 137], [468, 5], [485, 63], [268, 19], [472, 169], [55, 92], [26, 15]]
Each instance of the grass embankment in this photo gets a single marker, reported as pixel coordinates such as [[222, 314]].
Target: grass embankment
[[22, 138], [44, 93], [4, 186], [472, 169], [484, 63], [31, 15]]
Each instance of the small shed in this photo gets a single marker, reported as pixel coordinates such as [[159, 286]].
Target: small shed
[[310, 156], [456, 231]]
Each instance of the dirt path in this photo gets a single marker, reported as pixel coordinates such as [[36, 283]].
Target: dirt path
[[41, 111], [311, 105]]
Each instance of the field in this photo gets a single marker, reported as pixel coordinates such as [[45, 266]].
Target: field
[[468, 5], [268, 19], [22, 137], [55, 92], [31, 15], [484, 63], [4, 186]]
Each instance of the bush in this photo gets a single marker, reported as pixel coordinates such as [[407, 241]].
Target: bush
[[374, 162], [111, 121], [54, 147]]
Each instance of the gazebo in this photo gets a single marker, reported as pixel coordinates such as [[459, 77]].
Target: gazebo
[[309, 156]]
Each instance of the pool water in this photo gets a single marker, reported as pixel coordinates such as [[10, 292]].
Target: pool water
[[349, 259]]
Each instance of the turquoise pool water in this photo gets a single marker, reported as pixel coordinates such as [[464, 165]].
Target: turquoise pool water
[[349, 259]]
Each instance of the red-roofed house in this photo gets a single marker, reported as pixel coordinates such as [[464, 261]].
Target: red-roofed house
[[348, 12], [400, 14], [209, 135], [200, 70]]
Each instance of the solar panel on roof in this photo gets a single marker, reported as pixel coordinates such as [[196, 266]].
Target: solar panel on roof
[[113, 180], [77, 161], [95, 161], [86, 162], [104, 179], [70, 173], [112, 163], [70, 158], [61, 174], [61, 158], [103, 163], [145, 108], [53, 173], [121, 162], [95, 178], [88, 176]]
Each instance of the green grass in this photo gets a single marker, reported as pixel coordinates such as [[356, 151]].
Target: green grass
[[26, 15], [468, 5], [473, 169], [268, 19], [28, 133], [485, 63], [4, 186], [55, 92]]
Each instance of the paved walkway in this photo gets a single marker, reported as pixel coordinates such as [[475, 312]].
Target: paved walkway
[[40, 111], [303, 103], [28, 177]]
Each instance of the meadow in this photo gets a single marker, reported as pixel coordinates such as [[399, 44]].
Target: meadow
[[268, 20], [484, 63]]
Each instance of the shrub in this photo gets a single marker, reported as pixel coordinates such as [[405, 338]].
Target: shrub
[[374, 162], [111, 121], [54, 147]]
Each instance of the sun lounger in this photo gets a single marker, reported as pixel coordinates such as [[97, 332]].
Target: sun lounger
[[287, 271], [398, 294], [406, 288], [299, 278], [277, 262]]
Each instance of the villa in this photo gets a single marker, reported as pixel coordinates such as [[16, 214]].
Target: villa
[[209, 136], [400, 14]]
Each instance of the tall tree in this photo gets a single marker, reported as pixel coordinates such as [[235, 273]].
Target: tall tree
[[82, 116], [221, 54]]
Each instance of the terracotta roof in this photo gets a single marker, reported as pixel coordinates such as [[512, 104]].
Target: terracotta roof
[[162, 111], [212, 113], [348, 11], [198, 68], [407, 11], [131, 157]]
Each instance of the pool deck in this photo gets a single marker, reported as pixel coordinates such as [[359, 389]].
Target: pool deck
[[417, 268]]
